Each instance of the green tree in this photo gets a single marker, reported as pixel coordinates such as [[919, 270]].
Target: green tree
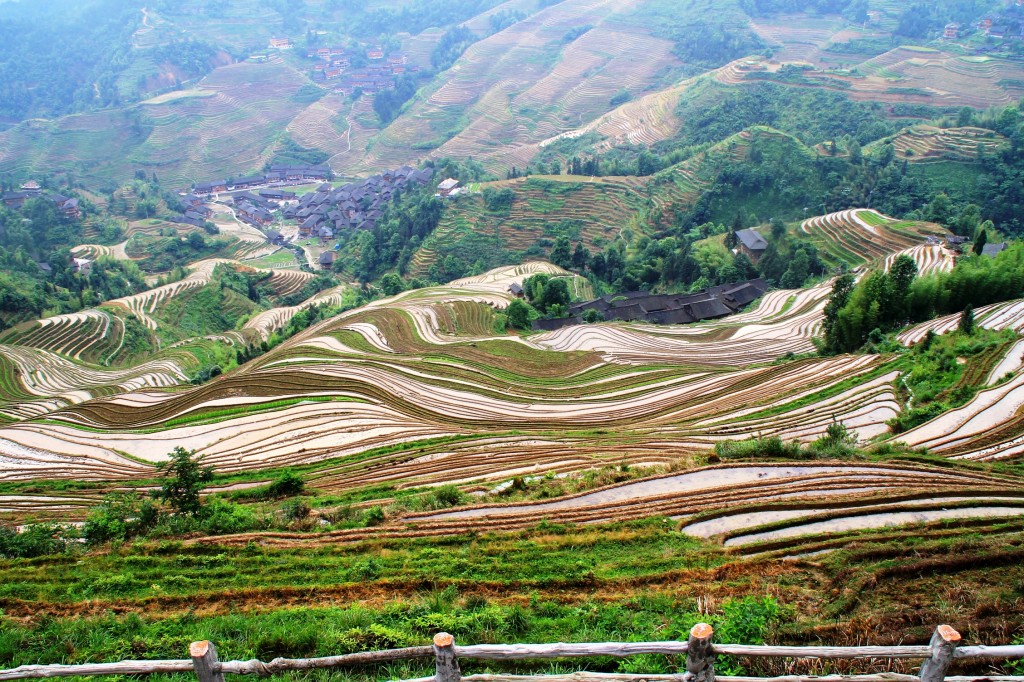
[[841, 291], [391, 284], [518, 315], [580, 257], [798, 271], [980, 241], [560, 253], [556, 293], [185, 477], [940, 209], [966, 325]]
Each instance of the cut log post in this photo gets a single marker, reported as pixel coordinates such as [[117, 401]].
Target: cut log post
[[444, 658], [700, 656], [205, 661], [943, 646]]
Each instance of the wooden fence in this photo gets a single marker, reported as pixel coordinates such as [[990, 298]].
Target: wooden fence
[[699, 649]]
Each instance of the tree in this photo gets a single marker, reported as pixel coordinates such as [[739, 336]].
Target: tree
[[560, 253], [778, 229], [966, 325], [518, 315], [841, 291], [798, 271], [980, 241], [580, 257], [392, 284], [556, 293], [186, 476]]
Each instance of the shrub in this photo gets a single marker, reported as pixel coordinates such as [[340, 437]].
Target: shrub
[[286, 484], [39, 539], [446, 496], [121, 516], [295, 510], [772, 446], [838, 441], [374, 516]]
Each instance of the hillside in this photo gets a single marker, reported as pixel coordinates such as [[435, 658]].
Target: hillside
[[562, 72]]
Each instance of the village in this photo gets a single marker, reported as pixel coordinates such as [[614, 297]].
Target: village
[[320, 215]]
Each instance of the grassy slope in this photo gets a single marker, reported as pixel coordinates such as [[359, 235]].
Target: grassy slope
[[626, 582]]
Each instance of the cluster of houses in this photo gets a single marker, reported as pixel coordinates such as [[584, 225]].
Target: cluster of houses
[[196, 211], [355, 206], [1005, 24], [334, 65], [279, 174], [31, 190], [643, 306]]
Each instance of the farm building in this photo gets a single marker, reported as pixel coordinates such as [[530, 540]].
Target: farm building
[[281, 43], [751, 243], [82, 265], [14, 199], [31, 188], [447, 187], [991, 250], [952, 30], [516, 290], [643, 306], [326, 260]]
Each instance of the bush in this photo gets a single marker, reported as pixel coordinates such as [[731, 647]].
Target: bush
[[286, 485], [121, 516], [838, 441], [374, 516], [772, 446], [39, 539]]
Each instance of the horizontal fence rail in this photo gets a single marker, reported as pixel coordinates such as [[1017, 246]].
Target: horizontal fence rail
[[699, 649]]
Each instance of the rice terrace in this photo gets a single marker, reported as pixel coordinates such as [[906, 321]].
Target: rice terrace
[[512, 340]]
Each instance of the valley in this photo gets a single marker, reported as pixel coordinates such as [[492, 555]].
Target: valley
[[329, 326]]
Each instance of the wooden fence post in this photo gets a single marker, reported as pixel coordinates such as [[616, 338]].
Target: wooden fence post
[[943, 644], [204, 658], [447, 665], [700, 656]]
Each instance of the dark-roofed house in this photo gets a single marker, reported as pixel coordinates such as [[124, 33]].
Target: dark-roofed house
[[516, 290], [15, 199], [326, 260], [274, 237], [307, 227], [250, 181], [751, 243], [707, 304], [991, 250]]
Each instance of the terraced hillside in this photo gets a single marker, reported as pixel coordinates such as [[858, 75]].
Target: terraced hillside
[[426, 365], [858, 236], [924, 143], [525, 84], [593, 210], [418, 390]]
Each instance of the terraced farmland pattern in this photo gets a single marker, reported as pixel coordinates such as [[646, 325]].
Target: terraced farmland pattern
[[419, 390]]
